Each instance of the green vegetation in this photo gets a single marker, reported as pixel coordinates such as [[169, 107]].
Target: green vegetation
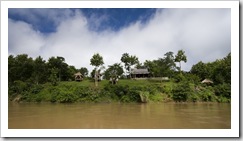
[[35, 80], [124, 91]]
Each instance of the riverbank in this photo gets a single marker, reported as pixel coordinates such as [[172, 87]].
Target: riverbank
[[126, 91]]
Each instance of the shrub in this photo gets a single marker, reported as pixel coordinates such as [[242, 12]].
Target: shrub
[[166, 89], [194, 97], [20, 86], [223, 90], [123, 93], [36, 89], [179, 78], [181, 92]]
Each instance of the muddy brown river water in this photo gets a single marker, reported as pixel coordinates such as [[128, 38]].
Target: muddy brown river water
[[119, 116]]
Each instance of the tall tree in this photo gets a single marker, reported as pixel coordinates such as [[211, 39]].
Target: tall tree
[[201, 70], [12, 73], [53, 76], [23, 67], [162, 66], [180, 57], [113, 72], [129, 60], [62, 68], [219, 70], [97, 61], [39, 73], [169, 60], [71, 71]]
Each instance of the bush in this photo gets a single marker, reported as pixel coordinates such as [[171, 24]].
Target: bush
[[181, 92], [194, 97], [207, 95], [66, 97], [179, 78], [20, 86], [223, 90], [36, 89], [166, 89], [123, 93]]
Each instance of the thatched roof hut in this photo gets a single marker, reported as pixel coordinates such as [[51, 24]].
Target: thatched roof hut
[[138, 73], [78, 76], [207, 81]]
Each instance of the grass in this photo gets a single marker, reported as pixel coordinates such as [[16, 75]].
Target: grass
[[122, 82]]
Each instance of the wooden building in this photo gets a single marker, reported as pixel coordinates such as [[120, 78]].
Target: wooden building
[[78, 76], [140, 73]]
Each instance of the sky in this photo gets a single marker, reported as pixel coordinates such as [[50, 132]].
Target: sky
[[77, 34]]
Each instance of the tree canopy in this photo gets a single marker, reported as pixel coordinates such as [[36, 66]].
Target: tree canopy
[[84, 71], [219, 71], [113, 71], [96, 60], [180, 56], [129, 60]]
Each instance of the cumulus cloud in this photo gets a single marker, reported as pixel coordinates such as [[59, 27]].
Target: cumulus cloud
[[23, 39], [204, 34]]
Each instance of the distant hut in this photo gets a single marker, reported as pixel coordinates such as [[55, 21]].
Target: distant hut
[[140, 73], [78, 76], [207, 81], [165, 79]]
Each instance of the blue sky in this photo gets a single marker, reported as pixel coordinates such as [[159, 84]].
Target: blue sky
[[111, 18], [76, 34]]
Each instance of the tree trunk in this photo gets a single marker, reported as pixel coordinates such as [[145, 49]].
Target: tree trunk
[[130, 75], [96, 77], [180, 67], [59, 77]]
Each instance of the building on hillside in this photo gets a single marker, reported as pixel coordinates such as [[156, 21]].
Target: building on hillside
[[207, 81], [139, 73], [78, 76]]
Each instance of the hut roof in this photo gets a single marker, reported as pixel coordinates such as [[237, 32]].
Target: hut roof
[[207, 81], [78, 73], [140, 71]]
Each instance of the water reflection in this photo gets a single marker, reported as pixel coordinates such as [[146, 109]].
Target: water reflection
[[119, 116]]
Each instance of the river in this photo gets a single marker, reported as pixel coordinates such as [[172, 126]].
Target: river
[[119, 116]]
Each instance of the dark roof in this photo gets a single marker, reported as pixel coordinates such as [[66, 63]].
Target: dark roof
[[140, 71]]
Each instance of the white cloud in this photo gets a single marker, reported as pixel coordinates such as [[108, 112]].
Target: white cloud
[[203, 33], [23, 39]]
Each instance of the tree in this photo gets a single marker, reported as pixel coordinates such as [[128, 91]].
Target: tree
[[129, 61], [201, 70], [169, 60], [84, 71], [53, 76], [113, 72], [23, 67], [39, 72], [222, 70], [180, 57], [62, 68], [162, 66], [219, 71], [71, 71], [97, 61], [11, 69]]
